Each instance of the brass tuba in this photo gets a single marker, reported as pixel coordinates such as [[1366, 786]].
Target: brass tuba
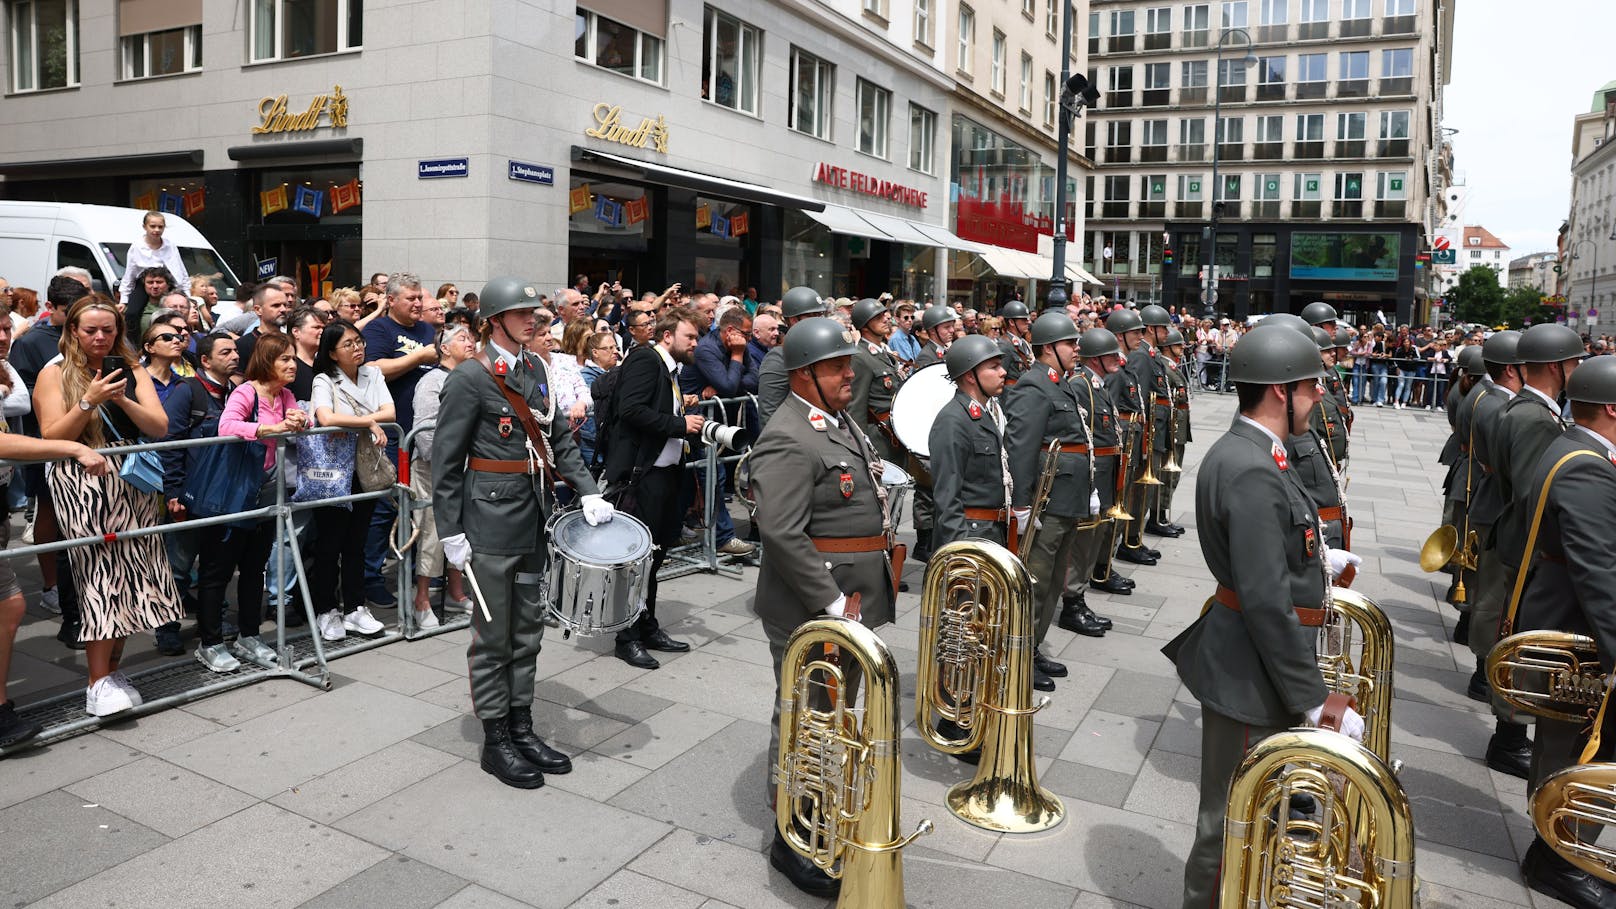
[[837, 778], [976, 627], [1551, 674], [1570, 801], [1356, 848], [1364, 672]]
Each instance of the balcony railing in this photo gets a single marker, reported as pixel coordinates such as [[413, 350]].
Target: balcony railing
[[1195, 38], [1397, 85], [1229, 152], [1392, 148], [1347, 208], [1312, 31], [1232, 93], [1268, 151], [1158, 40], [1391, 208], [1270, 91], [1398, 25], [1118, 154], [1192, 153], [1310, 90], [1192, 94], [1356, 28], [1157, 97], [1153, 209], [1352, 88], [1119, 100], [1306, 208], [1310, 150], [1114, 209], [1268, 208], [1189, 210], [1350, 148], [1121, 43], [1149, 153]]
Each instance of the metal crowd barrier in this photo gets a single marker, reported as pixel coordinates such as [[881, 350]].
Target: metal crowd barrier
[[1364, 385], [303, 656]]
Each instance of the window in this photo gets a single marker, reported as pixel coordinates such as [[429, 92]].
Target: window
[[1158, 28], [1227, 189], [44, 44], [1190, 198], [967, 38], [1192, 139], [1315, 19], [1310, 75], [1088, 139], [1397, 71], [877, 8], [1027, 9], [1309, 136], [1026, 83], [1192, 82], [1306, 195], [1121, 92], [617, 47], [1116, 197], [812, 87], [922, 139], [875, 113], [1052, 18], [1051, 99], [1348, 195], [996, 74], [1231, 133], [923, 22], [1354, 65], [1234, 14], [1390, 185], [1195, 25], [1153, 140], [1399, 17], [1121, 30], [1270, 137], [1266, 192], [1354, 18], [287, 29], [1232, 80], [1273, 20], [1153, 196], [1271, 78], [1094, 35], [1349, 134], [164, 53], [729, 69], [1158, 84], [1118, 141], [1393, 133]]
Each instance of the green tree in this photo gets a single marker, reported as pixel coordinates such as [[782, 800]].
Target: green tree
[[1477, 297], [1522, 303]]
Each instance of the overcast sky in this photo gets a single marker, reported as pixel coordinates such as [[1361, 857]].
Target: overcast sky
[[1520, 74]]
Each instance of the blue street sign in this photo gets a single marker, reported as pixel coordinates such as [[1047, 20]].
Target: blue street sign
[[532, 173], [266, 268], [436, 168]]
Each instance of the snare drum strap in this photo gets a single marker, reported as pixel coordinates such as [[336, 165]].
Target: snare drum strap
[[524, 413]]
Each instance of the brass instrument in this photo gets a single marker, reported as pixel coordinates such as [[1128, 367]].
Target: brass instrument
[[1116, 512], [1365, 673], [1550, 674], [1355, 849], [1147, 409], [837, 796], [1441, 548], [976, 627], [1172, 433], [1040, 497], [1570, 801]]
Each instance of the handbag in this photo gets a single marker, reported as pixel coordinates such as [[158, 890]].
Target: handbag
[[224, 479], [325, 465], [372, 467], [140, 469]]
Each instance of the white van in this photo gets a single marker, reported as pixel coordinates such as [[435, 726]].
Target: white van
[[38, 238]]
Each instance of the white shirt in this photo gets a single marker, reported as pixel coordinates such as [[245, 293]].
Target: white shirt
[[1265, 430], [142, 257], [1606, 443], [369, 392], [673, 449], [1553, 405], [502, 354], [829, 418]]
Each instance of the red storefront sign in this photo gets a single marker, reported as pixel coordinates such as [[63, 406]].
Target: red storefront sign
[[842, 178], [1003, 222]]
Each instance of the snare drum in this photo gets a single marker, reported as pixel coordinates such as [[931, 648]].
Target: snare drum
[[899, 484], [596, 577]]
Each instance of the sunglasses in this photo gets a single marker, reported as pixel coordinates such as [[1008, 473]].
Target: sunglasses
[[165, 337]]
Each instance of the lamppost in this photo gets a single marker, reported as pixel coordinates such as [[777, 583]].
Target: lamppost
[[1076, 93], [1593, 284], [1209, 235]]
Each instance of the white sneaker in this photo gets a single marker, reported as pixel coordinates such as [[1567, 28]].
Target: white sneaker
[[331, 626], [217, 658], [360, 621], [105, 698], [28, 533], [463, 604], [255, 651], [122, 681], [426, 618], [50, 601]]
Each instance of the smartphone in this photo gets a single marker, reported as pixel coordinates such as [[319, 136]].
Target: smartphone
[[112, 364]]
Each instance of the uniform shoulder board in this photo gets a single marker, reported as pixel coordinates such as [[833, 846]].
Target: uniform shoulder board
[[975, 410], [1053, 377], [1153, 352]]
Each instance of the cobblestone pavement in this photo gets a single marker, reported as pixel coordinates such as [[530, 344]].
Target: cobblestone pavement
[[370, 794]]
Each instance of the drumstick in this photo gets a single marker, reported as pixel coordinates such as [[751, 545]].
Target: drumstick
[[477, 591]]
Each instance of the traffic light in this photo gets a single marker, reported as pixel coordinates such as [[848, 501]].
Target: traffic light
[[1167, 256]]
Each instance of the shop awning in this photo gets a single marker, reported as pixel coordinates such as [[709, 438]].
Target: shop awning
[[840, 219], [901, 229], [1079, 273], [950, 240], [706, 184], [1011, 263]]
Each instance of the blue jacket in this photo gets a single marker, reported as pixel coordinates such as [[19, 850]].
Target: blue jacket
[[904, 344]]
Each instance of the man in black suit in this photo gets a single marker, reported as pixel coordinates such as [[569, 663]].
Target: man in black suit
[[648, 430]]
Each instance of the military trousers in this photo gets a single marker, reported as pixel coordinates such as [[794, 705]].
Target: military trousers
[[1105, 483], [923, 508], [852, 674], [1134, 496], [1164, 492], [1054, 546], [1224, 743], [1093, 536], [504, 651], [1489, 595]]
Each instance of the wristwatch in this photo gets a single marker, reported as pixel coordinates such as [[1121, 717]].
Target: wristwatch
[[85, 405]]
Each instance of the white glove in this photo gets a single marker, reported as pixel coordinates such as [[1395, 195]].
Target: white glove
[[1094, 501], [1339, 559], [597, 510], [457, 550], [1021, 516], [1351, 723], [838, 608]]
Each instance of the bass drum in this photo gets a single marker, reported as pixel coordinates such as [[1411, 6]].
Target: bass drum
[[595, 582], [914, 409]]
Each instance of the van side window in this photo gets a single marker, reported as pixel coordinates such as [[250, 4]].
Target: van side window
[[78, 255]]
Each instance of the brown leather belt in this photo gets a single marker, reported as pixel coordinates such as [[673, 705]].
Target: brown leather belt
[[880, 417], [1183, 406], [1074, 448], [490, 465], [1127, 417], [1107, 451], [1164, 401], [994, 515], [1332, 513], [1310, 618], [877, 543], [1009, 381]]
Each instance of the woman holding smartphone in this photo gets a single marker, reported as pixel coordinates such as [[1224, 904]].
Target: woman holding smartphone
[[93, 396]]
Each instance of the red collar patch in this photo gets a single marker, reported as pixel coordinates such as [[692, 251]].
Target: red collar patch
[[1280, 458], [975, 410], [1153, 351], [1052, 376], [500, 368]]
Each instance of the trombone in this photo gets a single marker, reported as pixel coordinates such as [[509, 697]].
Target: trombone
[[1147, 409], [1040, 497], [1172, 433]]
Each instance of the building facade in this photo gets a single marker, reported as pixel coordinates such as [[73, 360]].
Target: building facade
[[1325, 141], [1535, 271], [1589, 239], [726, 145], [1481, 247]]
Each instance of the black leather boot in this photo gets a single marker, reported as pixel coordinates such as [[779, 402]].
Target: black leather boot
[[1461, 629], [1113, 584], [948, 729], [1139, 556], [802, 873], [1055, 669], [1546, 872], [922, 546], [501, 758], [1509, 750], [1075, 616], [531, 746]]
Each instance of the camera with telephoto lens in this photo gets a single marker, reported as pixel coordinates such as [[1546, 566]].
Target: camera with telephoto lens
[[725, 437]]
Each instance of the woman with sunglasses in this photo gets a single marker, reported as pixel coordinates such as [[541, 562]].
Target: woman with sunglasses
[[163, 349]]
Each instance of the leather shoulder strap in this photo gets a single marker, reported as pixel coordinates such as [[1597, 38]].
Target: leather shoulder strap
[[524, 413], [1507, 627]]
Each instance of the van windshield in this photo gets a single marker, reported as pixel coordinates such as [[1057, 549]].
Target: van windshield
[[199, 262]]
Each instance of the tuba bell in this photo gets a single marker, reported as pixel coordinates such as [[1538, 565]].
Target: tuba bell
[[1570, 801], [1148, 478], [1550, 674], [1363, 672], [837, 796], [976, 628], [1355, 848]]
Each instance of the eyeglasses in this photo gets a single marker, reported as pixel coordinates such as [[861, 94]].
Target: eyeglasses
[[606, 347], [165, 337], [351, 344]]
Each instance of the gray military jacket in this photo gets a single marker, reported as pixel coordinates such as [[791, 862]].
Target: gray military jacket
[[1044, 407], [1485, 404], [1466, 474], [1310, 464], [500, 513], [1525, 429], [875, 381], [929, 354], [1096, 399], [1329, 420], [1572, 585], [774, 383], [1177, 391], [1018, 356], [1259, 536], [812, 480], [966, 469]]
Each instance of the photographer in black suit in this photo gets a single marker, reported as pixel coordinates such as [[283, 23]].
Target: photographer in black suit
[[648, 426]]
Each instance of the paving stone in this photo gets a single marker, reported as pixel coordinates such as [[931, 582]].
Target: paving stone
[[1119, 651], [475, 897], [395, 882], [1137, 694], [384, 670], [949, 834], [1181, 731], [1086, 782], [596, 777], [1168, 786], [57, 839], [1087, 900], [290, 860], [1105, 850], [39, 770], [1438, 728], [625, 706], [736, 874], [585, 681], [1451, 800], [701, 628], [663, 737], [169, 799], [1493, 876], [468, 824], [717, 788], [243, 704], [932, 879], [632, 890], [714, 683], [158, 731], [349, 788], [1111, 742]]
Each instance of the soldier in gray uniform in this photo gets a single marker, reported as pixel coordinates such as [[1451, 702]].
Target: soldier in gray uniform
[[1149, 369], [1332, 419], [1175, 432], [970, 468], [773, 385], [942, 326], [1101, 355], [877, 375], [1129, 396], [1017, 352], [1044, 411], [822, 514], [1460, 483], [1572, 588], [491, 487], [1249, 659]]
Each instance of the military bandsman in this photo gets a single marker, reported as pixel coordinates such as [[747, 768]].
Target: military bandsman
[[1128, 394], [1017, 352], [877, 374], [970, 469]]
